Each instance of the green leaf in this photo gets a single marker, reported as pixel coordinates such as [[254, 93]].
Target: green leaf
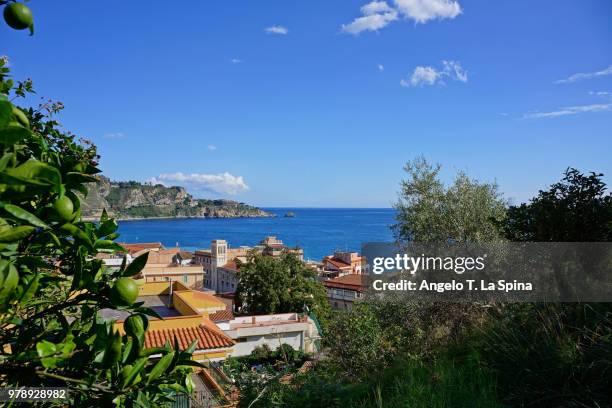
[[34, 171], [77, 233], [16, 233], [136, 265], [107, 244], [45, 348], [107, 227], [190, 363], [24, 215], [5, 112], [131, 376], [160, 367], [103, 217], [191, 347], [13, 134], [30, 290], [5, 160]]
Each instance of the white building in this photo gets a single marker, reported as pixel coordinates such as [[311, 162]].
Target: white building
[[299, 331]]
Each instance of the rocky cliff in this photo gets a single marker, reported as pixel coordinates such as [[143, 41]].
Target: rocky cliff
[[133, 200]]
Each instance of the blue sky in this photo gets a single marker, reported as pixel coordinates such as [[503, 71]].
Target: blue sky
[[320, 103]]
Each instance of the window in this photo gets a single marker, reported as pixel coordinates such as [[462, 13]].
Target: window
[[241, 340], [184, 278]]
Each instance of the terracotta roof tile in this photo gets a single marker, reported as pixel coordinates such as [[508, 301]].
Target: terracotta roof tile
[[338, 264], [207, 338], [136, 247], [350, 281], [221, 315]]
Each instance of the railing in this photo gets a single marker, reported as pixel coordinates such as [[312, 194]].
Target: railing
[[197, 399]]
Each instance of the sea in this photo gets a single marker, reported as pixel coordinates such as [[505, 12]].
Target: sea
[[319, 231]]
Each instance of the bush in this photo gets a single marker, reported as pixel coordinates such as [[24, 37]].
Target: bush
[[551, 354]]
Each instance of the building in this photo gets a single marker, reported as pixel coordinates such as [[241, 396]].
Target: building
[[173, 265], [343, 263], [343, 291], [162, 265], [272, 246], [248, 332], [193, 315], [221, 263], [185, 316], [131, 251]]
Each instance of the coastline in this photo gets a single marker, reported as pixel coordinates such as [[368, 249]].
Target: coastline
[[181, 217]]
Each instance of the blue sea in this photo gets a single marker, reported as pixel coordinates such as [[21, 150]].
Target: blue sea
[[319, 231]]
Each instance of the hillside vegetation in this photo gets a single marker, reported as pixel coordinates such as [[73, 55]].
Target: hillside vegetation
[[131, 199]]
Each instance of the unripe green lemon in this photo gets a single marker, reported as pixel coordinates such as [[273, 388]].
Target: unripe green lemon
[[135, 325], [18, 16], [64, 208], [22, 119], [124, 292]]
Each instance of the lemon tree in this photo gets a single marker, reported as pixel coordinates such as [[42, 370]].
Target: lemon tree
[[52, 284]]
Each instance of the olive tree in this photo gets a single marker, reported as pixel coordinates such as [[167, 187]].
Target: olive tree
[[52, 285], [429, 211]]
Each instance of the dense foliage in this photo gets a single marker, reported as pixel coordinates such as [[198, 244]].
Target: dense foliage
[[394, 353], [52, 286], [429, 211], [280, 285], [576, 209]]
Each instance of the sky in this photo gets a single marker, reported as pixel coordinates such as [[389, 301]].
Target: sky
[[320, 103]]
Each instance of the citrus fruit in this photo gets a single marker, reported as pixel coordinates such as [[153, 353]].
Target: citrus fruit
[[124, 292], [64, 208], [18, 16], [22, 119], [135, 325]]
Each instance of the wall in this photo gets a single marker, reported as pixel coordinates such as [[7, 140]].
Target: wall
[[244, 348]]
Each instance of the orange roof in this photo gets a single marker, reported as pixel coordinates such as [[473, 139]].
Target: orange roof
[[141, 245], [221, 315], [206, 337], [231, 265], [351, 281], [338, 263]]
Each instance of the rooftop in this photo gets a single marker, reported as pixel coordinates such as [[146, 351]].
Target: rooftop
[[350, 281], [206, 337], [159, 303]]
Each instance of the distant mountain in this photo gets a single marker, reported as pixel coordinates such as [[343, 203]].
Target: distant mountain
[[134, 200]]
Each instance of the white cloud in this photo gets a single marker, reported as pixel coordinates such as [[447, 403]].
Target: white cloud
[[571, 110], [212, 147], [378, 14], [376, 7], [236, 61], [602, 94], [588, 75], [423, 10], [381, 67], [277, 29], [223, 183], [115, 135], [430, 76]]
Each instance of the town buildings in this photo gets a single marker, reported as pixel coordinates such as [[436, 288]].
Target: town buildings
[[163, 264], [221, 263], [194, 315], [344, 290], [343, 263]]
